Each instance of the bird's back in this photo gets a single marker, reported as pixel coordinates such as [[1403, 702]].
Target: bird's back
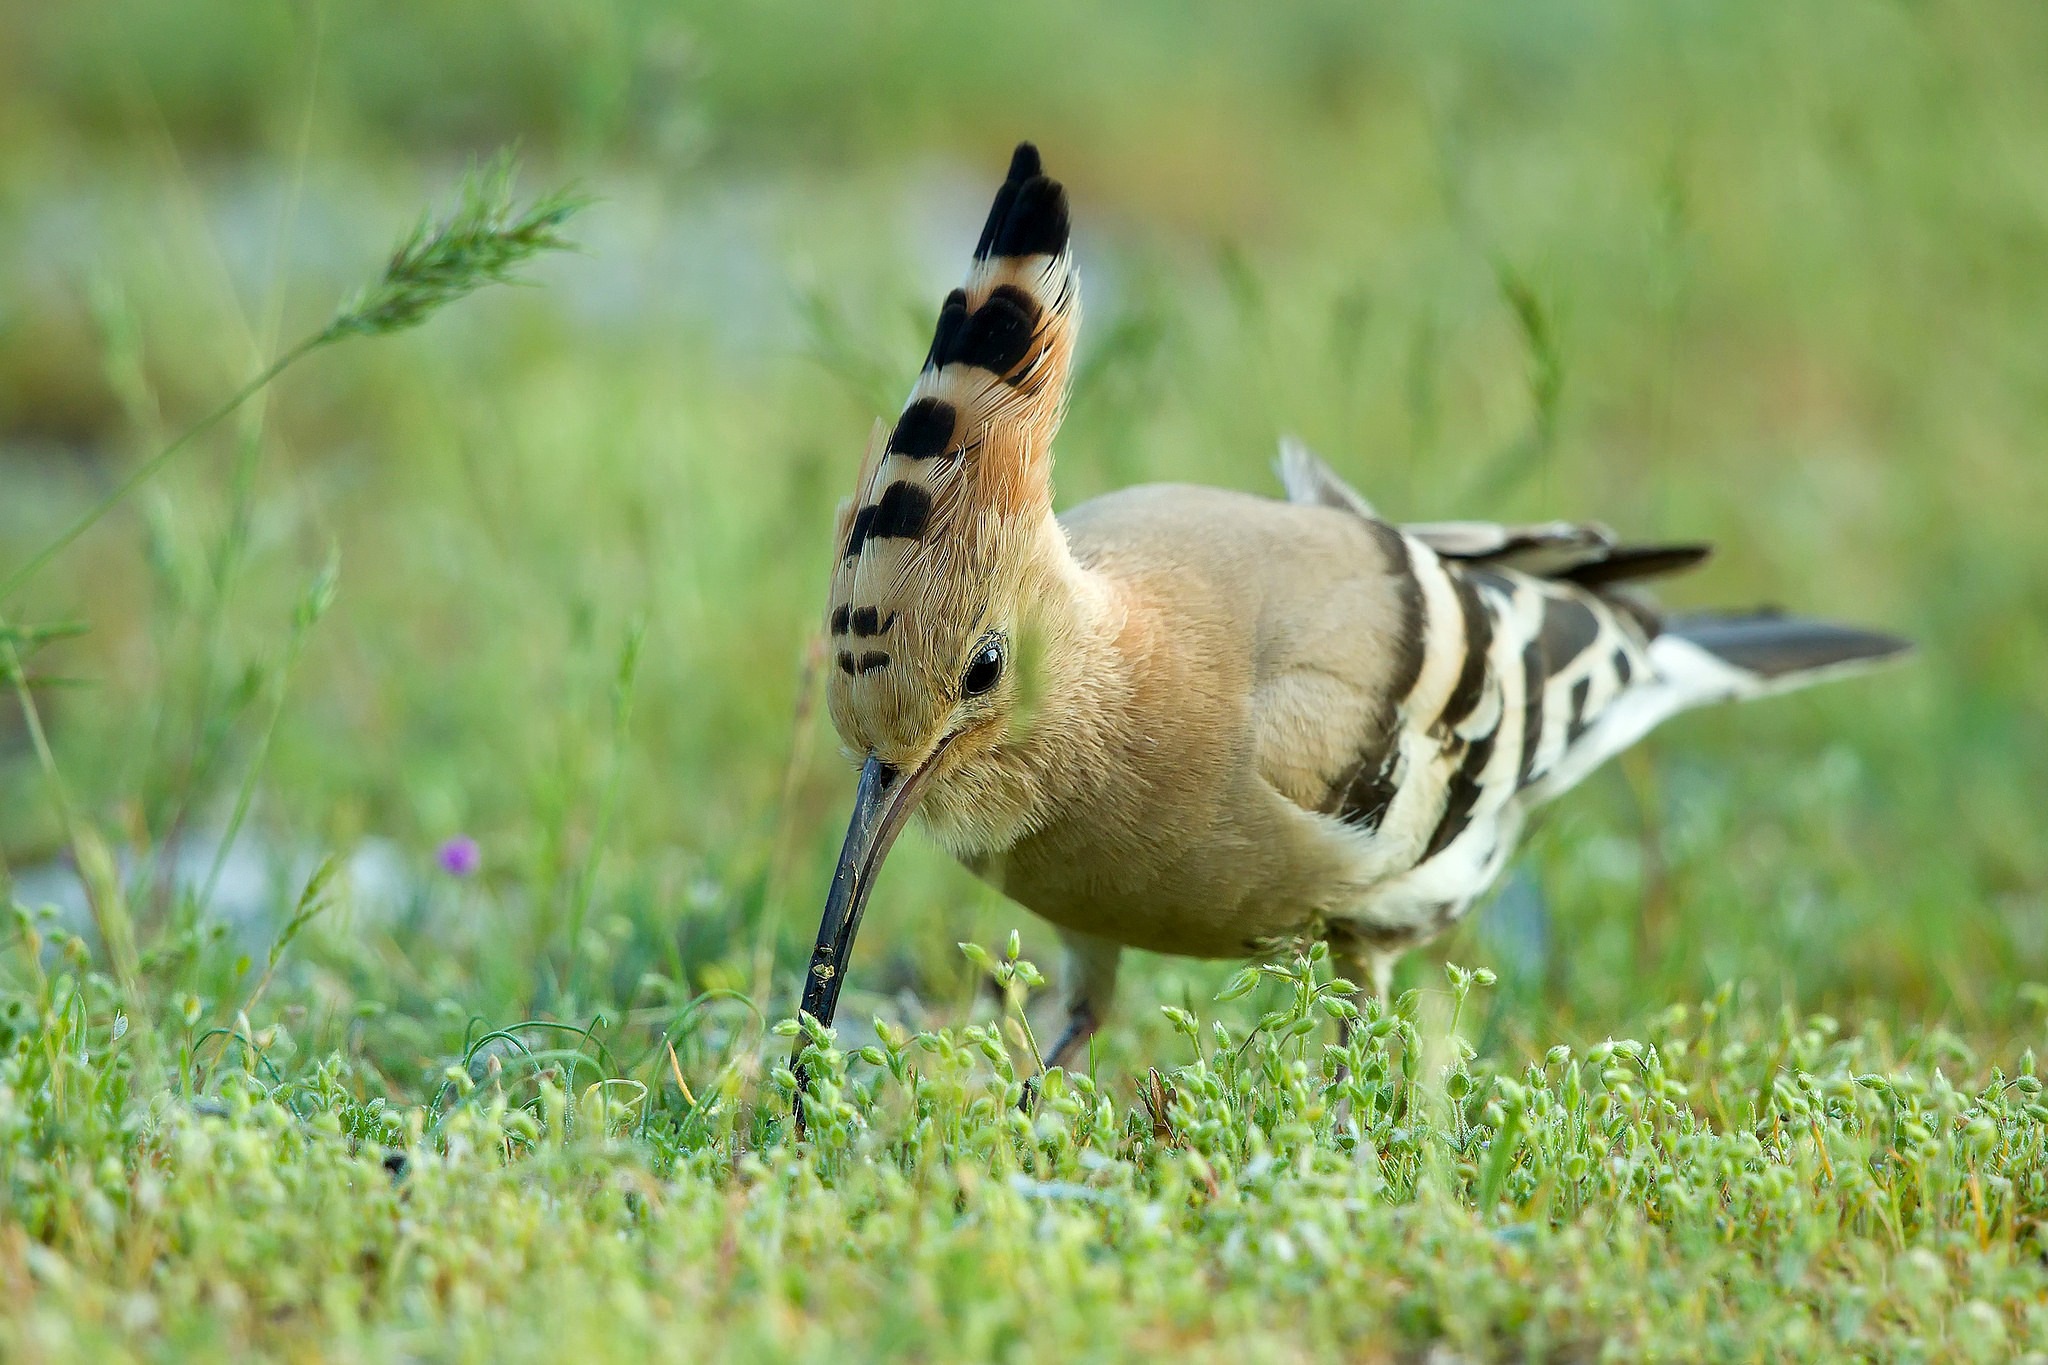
[[1297, 611], [1355, 645], [1390, 701], [1381, 707]]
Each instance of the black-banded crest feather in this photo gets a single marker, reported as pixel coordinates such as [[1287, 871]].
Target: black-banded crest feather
[[947, 489]]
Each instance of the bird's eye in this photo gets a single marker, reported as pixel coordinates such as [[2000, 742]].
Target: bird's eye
[[983, 670]]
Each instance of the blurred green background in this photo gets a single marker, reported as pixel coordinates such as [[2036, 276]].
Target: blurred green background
[[1770, 275]]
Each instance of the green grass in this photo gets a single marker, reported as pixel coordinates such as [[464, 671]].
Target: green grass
[[1762, 275]]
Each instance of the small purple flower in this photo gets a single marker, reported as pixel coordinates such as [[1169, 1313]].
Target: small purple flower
[[460, 856]]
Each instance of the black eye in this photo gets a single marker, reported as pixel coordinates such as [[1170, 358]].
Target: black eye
[[983, 670]]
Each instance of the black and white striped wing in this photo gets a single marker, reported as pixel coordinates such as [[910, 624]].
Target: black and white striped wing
[[1532, 661], [1515, 680]]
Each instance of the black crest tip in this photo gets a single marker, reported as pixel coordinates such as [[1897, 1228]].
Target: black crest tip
[[1037, 221], [1024, 163], [1029, 216]]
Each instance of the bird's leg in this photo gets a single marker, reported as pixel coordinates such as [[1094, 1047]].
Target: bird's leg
[[1370, 967], [1090, 987]]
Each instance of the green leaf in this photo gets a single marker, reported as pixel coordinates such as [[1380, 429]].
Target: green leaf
[[1240, 984]]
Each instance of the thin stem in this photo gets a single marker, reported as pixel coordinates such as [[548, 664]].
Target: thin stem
[[781, 854], [1031, 1039], [622, 712], [247, 791], [483, 242], [312, 901], [119, 943], [142, 472]]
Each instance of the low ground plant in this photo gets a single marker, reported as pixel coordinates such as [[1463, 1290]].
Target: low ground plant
[[1294, 1173]]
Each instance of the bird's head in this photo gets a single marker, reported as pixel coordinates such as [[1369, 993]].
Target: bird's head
[[938, 630]]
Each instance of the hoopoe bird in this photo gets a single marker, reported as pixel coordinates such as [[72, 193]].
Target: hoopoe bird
[[1208, 723]]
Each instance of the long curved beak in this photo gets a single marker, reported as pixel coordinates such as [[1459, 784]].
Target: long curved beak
[[881, 805]]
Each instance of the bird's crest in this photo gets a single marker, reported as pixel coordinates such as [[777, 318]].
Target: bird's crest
[[946, 494]]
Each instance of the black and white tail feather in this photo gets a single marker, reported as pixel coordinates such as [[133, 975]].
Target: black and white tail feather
[[1540, 660]]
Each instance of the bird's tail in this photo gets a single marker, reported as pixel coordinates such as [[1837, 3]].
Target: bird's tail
[[1717, 657]]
